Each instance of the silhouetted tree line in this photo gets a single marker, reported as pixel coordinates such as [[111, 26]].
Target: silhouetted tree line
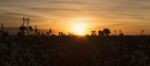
[[26, 30]]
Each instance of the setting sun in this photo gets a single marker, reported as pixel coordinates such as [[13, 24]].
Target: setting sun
[[79, 28]]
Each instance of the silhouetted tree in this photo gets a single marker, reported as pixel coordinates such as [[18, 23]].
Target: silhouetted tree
[[47, 33], [61, 34], [25, 29], [30, 28], [106, 31], [93, 33], [42, 34], [121, 33], [36, 31], [100, 33], [70, 34], [22, 31], [50, 31], [22, 28]]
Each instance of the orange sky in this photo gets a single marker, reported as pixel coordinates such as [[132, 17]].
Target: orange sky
[[130, 16]]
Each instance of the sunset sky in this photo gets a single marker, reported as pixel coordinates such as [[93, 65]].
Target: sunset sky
[[130, 16]]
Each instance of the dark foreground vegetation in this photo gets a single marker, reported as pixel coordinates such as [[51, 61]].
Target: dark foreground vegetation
[[75, 51]]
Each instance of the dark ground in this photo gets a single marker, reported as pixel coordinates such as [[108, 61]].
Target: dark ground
[[75, 51]]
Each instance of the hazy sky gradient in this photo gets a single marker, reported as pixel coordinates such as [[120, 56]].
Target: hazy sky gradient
[[130, 16]]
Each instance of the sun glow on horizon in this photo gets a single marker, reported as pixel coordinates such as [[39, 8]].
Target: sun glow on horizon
[[79, 28]]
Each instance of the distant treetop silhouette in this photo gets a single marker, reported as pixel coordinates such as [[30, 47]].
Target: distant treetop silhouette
[[3, 33], [93, 33], [25, 29]]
